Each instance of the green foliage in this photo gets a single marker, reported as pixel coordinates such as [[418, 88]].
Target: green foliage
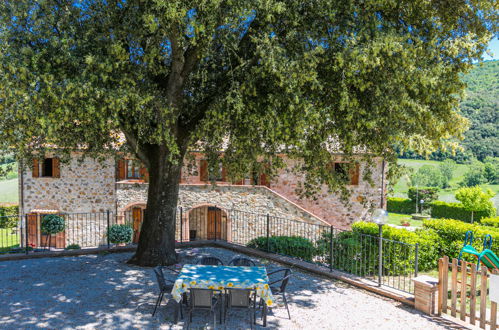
[[52, 224], [457, 211], [491, 170], [427, 194], [8, 221], [402, 257], [447, 168], [400, 205], [475, 175], [250, 77], [429, 176], [452, 232], [73, 247], [120, 234], [293, 246], [490, 222], [9, 209], [475, 200]]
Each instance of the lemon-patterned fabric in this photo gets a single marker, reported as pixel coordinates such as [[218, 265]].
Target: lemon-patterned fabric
[[221, 277]]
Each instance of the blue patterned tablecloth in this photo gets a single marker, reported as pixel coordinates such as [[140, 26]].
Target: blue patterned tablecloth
[[221, 277]]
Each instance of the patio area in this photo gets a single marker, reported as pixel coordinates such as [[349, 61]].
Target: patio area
[[102, 291]]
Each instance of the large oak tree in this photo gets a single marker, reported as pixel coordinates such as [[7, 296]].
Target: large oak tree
[[251, 78]]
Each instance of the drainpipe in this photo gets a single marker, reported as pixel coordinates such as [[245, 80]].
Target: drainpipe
[[21, 187], [382, 201]]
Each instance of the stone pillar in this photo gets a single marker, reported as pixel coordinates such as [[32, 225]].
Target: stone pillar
[[425, 289]]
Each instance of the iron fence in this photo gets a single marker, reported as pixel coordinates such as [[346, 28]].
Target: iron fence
[[386, 262]]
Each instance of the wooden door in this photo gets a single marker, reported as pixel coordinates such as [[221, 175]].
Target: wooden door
[[214, 223], [57, 241], [137, 216], [33, 230]]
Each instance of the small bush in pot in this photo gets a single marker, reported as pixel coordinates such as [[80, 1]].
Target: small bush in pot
[[73, 247], [119, 234], [52, 224]]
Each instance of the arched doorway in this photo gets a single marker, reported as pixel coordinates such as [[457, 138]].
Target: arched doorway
[[208, 223], [134, 215]]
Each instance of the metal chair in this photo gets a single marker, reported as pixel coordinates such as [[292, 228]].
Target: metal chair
[[241, 261], [281, 289], [165, 286], [241, 299], [213, 261], [203, 299]]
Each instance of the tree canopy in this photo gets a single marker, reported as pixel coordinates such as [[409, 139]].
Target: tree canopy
[[252, 78]]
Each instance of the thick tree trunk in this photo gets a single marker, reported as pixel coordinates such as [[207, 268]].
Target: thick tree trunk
[[157, 235]]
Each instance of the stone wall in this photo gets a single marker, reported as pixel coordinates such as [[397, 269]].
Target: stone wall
[[251, 199], [328, 206], [83, 186]]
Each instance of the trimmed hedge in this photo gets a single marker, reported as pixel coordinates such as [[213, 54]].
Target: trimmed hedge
[[400, 257], [120, 234], [490, 222], [293, 246], [452, 234], [8, 210], [456, 211], [400, 205]]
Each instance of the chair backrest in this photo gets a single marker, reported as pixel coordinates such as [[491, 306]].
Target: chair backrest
[[284, 279], [241, 261], [214, 261], [201, 298], [239, 297], [160, 277]]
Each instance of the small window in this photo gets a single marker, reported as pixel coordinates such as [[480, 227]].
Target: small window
[[132, 170], [48, 167], [350, 175]]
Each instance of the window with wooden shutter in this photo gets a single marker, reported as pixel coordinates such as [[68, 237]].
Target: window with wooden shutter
[[56, 168], [263, 180], [354, 175], [144, 174], [121, 170], [203, 170], [36, 168]]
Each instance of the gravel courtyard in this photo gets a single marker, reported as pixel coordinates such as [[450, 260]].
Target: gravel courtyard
[[102, 291]]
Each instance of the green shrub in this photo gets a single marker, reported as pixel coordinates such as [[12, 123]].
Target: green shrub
[[9, 209], [490, 222], [120, 234], [452, 232], [52, 224], [400, 205], [401, 257], [457, 211], [428, 194], [8, 221], [73, 247], [293, 246]]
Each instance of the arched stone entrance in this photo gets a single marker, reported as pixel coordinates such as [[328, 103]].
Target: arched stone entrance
[[133, 214], [207, 222]]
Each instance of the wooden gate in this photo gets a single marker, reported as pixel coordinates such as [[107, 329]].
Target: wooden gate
[[138, 217], [463, 291], [38, 239], [214, 223]]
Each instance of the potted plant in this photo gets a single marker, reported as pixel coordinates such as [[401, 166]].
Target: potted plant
[[52, 224], [405, 222], [120, 234]]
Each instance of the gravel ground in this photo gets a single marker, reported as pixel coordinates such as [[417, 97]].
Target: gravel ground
[[102, 291]]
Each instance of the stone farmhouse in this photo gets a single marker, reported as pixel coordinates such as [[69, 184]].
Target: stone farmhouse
[[86, 186]]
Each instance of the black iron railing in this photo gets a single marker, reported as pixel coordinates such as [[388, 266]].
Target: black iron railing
[[385, 262]]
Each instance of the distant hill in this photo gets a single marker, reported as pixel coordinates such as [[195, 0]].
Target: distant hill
[[481, 106]]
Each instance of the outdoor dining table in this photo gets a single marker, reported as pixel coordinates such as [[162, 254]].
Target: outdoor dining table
[[222, 277]]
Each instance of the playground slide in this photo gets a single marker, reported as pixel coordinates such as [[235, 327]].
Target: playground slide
[[489, 259]]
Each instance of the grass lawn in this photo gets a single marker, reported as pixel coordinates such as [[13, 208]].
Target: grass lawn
[[395, 218], [446, 195], [8, 239], [9, 191]]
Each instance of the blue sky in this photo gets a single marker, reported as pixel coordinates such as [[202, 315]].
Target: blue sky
[[494, 47]]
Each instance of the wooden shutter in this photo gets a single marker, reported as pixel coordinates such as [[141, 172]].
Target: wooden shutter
[[121, 172], [203, 170], [224, 174], [354, 175], [56, 168], [264, 181], [36, 168], [144, 174]]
